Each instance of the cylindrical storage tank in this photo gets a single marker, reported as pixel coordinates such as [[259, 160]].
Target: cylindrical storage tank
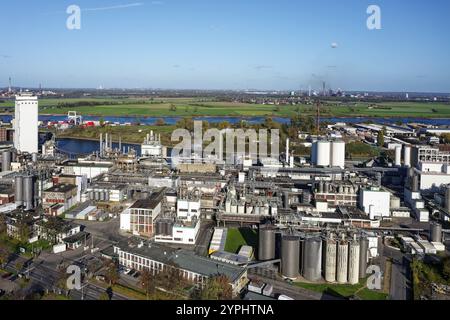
[[34, 157], [407, 156], [249, 209], [18, 194], [96, 195], [290, 257], [265, 209], [314, 153], [266, 248], [342, 261], [395, 202], [447, 199], [323, 153], [28, 189], [257, 210], [330, 259], [102, 196], [363, 254], [306, 197], [398, 156], [353, 262], [6, 161], [91, 195], [107, 195], [168, 229], [241, 208], [312, 259], [435, 232], [228, 206], [338, 154], [158, 229], [286, 200], [321, 187], [234, 208], [415, 183]]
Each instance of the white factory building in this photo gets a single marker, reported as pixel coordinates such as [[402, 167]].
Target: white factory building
[[187, 227], [375, 202], [326, 153], [26, 123]]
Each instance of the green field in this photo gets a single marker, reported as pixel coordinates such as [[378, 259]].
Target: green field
[[344, 290], [166, 107], [236, 238]]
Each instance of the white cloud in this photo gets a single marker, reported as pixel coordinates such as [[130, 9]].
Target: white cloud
[[120, 6]]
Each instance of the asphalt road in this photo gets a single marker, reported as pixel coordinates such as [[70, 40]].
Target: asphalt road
[[400, 275], [297, 293], [45, 277]]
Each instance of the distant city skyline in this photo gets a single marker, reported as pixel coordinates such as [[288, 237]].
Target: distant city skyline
[[228, 45]]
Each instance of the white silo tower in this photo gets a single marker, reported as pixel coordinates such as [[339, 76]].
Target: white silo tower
[[407, 156], [398, 156], [323, 153], [338, 154]]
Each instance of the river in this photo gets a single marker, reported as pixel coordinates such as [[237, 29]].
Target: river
[[232, 120]]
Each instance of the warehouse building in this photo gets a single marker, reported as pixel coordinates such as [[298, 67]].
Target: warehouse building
[[196, 269]]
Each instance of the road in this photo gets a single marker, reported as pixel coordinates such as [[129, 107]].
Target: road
[[400, 275], [205, 235], [293, 291], [46, 277]]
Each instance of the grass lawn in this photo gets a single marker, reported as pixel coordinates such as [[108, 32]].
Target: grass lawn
[[129, 134], [344, 290], [55, 297], [236, 238]]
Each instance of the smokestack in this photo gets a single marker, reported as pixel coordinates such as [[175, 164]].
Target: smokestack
[[101, 144], [287, 151]]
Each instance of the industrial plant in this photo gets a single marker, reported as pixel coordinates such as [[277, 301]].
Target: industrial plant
[[271, 227]]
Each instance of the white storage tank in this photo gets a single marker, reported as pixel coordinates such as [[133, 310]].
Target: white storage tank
[[407, 156], [342, 261], [338, 154], [353, 262], [323, 150], [330, 259], [398, 156]]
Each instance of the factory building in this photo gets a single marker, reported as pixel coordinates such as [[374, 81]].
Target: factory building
[[90, 170], [105, 192], [193, 268], [336, 193], [26, 123], [64, 195], [6, 194], [375, 202], [139, 219], [152, 145]]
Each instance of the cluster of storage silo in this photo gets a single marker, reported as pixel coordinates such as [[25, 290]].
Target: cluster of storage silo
[[332, 187], [164, 228], [345, 259], [234, 206], [326, 153], [25, 191], [314, 257], [406, 156], [99, 195]]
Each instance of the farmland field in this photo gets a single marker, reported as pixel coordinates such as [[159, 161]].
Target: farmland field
[[167, 107]]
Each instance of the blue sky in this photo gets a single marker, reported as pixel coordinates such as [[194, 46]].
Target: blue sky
[[228, 44]]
